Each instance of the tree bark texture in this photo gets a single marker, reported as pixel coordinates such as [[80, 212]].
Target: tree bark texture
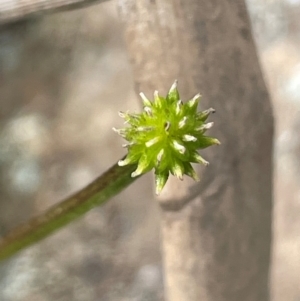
[[11, 10], [216, 234]]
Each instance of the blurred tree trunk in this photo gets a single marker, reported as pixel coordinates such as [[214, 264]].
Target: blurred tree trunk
[[216, 234], [12, 11]]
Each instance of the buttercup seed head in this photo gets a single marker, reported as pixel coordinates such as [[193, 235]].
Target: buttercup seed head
[[166, 136]]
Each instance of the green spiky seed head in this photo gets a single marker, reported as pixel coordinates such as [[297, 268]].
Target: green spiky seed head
[[166, 136]]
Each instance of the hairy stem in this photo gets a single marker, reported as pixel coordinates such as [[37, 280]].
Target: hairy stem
[[96, 193]]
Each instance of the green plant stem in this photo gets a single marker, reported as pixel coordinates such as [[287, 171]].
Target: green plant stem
[[96, 193]]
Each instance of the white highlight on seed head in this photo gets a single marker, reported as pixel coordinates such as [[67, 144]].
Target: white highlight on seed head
[[167, 125], [180, 148], [197, 96], [174, 86], [199, 159], [156, 96], [178, 172], [148, 111], [152, 142], [136, 173], [146, 101], [143, 96], [194, 100], [189, 138], [178, 106], [128, 144], [123, 162], [159, 155], [144, 128], [121, 132], [210, 110], [208, 125], [205, 126], [182, 122]]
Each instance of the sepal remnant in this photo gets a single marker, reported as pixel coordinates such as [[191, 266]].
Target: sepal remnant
[[166, 136]]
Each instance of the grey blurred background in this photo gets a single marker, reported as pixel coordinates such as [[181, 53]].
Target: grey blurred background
[[63, 78]]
